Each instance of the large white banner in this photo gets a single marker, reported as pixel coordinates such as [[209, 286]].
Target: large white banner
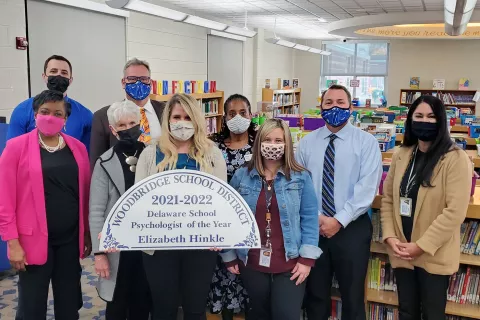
[[180, 209]]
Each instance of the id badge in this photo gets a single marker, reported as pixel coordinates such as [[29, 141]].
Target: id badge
[[248, 157], [405, 207], [265, 257]]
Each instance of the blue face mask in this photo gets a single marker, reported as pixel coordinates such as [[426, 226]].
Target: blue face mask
[[138, 90], [335, 116]]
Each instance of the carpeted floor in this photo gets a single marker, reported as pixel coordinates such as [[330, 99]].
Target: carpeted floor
[[93, 306]]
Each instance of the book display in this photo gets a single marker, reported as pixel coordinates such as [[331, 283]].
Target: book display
[[211, 104], [288, 101], [451, 98]]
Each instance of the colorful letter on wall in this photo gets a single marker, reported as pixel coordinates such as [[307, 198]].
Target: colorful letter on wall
[[174, 86], [180, 86], [213, 86], [199, 86], [188, 88], [194, 86], [165, 87], [205, 87], [154, 87]]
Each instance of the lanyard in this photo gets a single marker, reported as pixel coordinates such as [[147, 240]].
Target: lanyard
[[411, 177], [268, 215]]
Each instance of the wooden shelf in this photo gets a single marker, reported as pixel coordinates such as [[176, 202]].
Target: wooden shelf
[[472, 92], [466, 105], [218, 95], [270, 95], [455, 309], [459, 129], [198, 96], [378, 247]]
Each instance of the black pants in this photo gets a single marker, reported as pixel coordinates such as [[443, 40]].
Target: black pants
[[272, 296], [19, 314], [131, 299], [346, 254], [62, 268], [175, 274], [421, 295]]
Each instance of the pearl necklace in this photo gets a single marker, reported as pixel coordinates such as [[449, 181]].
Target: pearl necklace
[[51, 149]]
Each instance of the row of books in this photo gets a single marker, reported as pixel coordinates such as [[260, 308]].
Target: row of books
[[464, 287], [285, 99], [210, 107], [211, 125], [456, 318], [382, 312], [469, 237], [447, 98], [469, 234], [380, 274]]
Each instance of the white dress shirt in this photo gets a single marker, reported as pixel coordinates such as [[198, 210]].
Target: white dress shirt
[[153, 121], [358, 169]]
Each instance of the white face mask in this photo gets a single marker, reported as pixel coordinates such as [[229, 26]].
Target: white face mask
[[238, 124], [272, 151], [182, 130]]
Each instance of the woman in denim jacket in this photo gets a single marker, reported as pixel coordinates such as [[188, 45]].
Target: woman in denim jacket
[[280, 193]]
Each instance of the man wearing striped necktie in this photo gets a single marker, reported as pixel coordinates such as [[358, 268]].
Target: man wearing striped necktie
[[346, 167], [136, 82]]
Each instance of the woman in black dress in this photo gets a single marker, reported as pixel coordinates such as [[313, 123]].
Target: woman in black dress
[[227, 295]]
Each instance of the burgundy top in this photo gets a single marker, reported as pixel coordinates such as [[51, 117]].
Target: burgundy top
[[278, 262]]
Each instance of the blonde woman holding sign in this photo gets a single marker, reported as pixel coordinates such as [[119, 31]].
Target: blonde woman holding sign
[[281, 194], [187, 273]]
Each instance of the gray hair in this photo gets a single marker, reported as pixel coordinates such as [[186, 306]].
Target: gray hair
[[121, 110], [136, 62]]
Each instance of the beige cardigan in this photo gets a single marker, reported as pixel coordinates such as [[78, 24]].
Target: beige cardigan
[[439, 212], [147, 166]]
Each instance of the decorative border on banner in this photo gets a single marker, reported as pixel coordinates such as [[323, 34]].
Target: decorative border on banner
[[250, 240]]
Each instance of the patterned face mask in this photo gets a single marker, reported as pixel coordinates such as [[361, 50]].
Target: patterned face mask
[[272, 151]]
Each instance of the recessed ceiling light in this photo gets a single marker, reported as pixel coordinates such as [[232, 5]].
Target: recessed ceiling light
[[321, 20]]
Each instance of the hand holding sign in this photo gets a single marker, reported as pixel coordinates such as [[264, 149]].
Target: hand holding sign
[[180, 209]]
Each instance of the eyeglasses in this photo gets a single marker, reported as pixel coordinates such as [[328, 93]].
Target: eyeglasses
[[133, 79]]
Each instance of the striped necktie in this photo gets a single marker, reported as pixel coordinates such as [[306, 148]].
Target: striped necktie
[[328, 199], [144, 127]]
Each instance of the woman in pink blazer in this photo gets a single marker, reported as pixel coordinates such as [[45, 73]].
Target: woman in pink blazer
[[44, 188]]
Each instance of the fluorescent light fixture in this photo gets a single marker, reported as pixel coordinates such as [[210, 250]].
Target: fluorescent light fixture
[[210, 24], [241, 32], [285, 43], [457, 14], [315, 50], [148, 8], [318, 51], [227, 35], [301, 47], [321, 20]]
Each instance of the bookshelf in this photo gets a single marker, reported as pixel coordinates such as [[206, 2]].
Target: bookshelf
[[454, 309], [288, 99], [212, 107], [451, 98]]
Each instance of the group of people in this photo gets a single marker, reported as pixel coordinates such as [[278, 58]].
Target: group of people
[[63, 169]]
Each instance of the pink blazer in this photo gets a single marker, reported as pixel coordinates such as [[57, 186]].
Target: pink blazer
[[22, 197]]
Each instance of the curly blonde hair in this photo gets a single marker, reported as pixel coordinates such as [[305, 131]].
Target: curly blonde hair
[[201, 149]]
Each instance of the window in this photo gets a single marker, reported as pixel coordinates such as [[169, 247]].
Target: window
[[362, 61]]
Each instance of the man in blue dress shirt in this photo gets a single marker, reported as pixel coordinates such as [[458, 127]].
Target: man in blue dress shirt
[[346, 167], [57, 74]]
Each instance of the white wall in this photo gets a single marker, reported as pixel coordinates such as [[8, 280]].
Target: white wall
[[307, 70], [432, 59], [273, 62], [175, 51], [13, 62]]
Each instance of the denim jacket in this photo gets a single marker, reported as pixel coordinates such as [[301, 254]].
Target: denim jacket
[[298, 207]]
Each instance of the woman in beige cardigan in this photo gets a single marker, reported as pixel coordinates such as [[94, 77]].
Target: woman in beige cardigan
[[187, 273], [427, 193]]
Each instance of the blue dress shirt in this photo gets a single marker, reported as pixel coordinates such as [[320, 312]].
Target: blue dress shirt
[[358, 169], [79, 124]]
